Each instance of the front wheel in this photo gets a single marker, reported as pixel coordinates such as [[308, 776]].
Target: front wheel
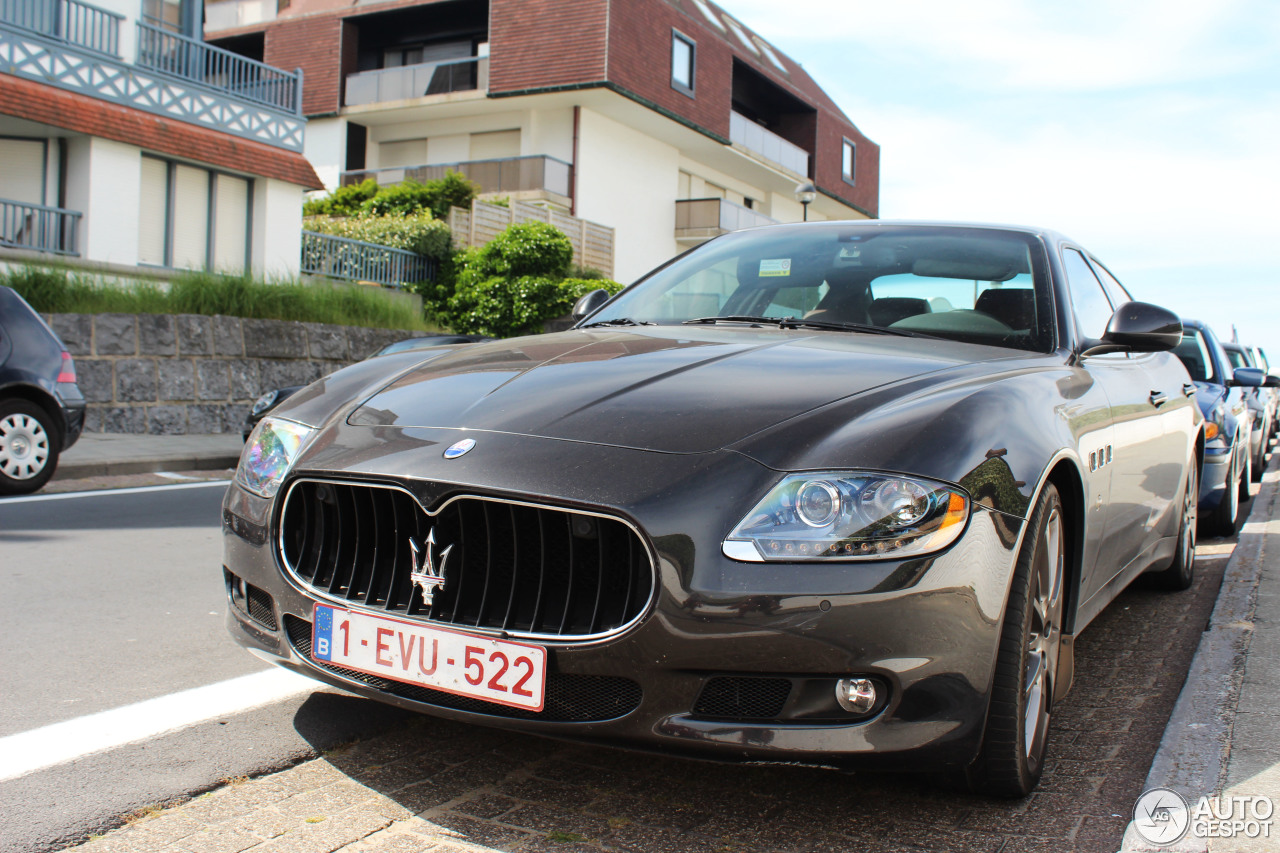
[[1013, 743], [28, 447], [1226, 517], [1180, 572]]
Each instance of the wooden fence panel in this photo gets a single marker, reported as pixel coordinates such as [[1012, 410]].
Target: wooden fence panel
[[592, 242]]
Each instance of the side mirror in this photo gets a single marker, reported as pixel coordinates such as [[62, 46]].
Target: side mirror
[[588, 303], [1138, 327], [1248, 377], [1271, 381]]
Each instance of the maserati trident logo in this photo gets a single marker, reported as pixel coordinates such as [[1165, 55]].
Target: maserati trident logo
[[423, 572]]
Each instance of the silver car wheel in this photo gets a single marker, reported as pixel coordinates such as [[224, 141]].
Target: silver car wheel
[[24, 446], [1045, 635]]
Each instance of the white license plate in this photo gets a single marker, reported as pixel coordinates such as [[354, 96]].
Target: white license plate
[[496, 671]]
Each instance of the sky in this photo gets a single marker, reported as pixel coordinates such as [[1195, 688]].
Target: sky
[[1147, 131]]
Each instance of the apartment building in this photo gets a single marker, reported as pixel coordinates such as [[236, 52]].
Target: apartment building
[[668, 120], [127, 140]]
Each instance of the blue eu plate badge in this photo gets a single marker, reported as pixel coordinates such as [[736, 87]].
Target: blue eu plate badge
[[322, 639]]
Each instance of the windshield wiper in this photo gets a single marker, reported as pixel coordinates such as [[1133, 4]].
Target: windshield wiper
[[618, 321], [797, 322], [736, 318]]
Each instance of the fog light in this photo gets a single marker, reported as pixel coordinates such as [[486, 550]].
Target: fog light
[[856, 695]]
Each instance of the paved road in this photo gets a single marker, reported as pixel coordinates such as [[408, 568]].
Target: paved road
[[114, 600]]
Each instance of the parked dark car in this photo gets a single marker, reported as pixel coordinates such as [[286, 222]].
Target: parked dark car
[[268, 401], [1259, 356], [41, 407], [1262, 410], [830, 493], [1221, 392]]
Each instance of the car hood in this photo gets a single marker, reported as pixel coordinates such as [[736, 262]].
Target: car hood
[[665, 388]]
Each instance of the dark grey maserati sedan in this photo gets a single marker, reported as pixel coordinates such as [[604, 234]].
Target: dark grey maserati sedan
[[837, 493]]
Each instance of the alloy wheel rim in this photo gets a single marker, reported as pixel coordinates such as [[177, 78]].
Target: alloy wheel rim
[[1190, 517], [1044, 636], [1233, 488], [24, 447]]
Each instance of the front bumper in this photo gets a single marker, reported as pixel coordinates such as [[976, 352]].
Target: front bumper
[[926, 629]]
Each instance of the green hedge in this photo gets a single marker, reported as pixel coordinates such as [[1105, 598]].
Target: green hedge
[[417, 232], [58, 291]]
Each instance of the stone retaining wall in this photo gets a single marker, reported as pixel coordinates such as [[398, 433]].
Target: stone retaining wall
[[175, 374]]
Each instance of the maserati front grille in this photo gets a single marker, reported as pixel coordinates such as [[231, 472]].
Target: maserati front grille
[[530, 571]]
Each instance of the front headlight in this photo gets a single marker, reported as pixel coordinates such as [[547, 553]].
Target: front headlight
[[270, 452], [849, 516], [264, 402]]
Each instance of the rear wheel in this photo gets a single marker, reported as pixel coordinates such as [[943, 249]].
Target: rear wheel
[[1260, 463], [1226, 517], [1180, 572], [28, 447], [1013, 744]]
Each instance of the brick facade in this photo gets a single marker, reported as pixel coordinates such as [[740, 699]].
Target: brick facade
[[539, 44], [85, 114], [314, 45]]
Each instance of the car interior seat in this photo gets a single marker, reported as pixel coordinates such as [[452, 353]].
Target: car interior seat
[[1015, 308], [890, 309]]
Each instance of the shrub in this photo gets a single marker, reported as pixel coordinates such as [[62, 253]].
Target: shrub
[[417, 232], [344, 201], [524, 249], [437, 196], [54, 291], [504, 307]]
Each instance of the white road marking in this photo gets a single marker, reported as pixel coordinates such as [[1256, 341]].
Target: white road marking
[[58, 743], [62, 496]]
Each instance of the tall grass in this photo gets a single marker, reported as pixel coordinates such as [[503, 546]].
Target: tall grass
[[53, 291]]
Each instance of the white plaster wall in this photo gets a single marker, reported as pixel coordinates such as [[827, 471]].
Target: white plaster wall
[[104, 182], [325, 145], [549, 132], [628, 181], [784, 207], [131, 9], [277, 235]]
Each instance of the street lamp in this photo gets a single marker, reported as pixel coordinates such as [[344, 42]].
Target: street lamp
[[805, 194]]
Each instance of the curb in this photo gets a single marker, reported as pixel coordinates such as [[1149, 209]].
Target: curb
[[1193, 754], [178, 462]]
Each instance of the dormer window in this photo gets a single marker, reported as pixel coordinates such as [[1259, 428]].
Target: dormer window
[[684, 55]]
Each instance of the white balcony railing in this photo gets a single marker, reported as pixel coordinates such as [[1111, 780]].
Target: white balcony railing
[[416, 81], [39, 227], [769, 145]]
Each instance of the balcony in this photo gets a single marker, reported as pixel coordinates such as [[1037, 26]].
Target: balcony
[[701, 219], [521, 176], [195, 61], [767, 144], [39, 228], [230, 14], [73, 46], [417, 81], [71, 21]]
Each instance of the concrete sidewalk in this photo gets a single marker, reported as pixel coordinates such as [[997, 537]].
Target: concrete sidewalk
[[1223, 739], [106, 454]]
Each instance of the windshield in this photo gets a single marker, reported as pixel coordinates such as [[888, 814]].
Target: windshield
[[971, 284]]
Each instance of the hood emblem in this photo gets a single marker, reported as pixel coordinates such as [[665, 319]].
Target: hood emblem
[[456, 450], [423, 571]]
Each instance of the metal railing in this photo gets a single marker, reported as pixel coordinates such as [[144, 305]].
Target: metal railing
[[768, 144], [194, 60], [416, 81], [73, 21], [356, 260], [39, 227], [705, 217], [508, 175]]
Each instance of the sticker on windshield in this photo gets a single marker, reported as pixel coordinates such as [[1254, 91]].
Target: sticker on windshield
[[775, 267]]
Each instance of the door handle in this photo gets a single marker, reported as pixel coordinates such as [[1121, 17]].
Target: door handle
[[1188, 390], [1158, 398]]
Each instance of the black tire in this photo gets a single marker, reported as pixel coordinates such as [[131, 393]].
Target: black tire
[[1246, 476], [28, 447], [1011, 759], [1226, 516], [1181, 572], [1260, 464]]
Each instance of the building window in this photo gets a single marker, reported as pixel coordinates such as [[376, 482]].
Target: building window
[[193, 218], [849, 161], [683, 62]]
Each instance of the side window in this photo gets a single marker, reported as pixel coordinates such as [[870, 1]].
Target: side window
[[1115, 290], [1093, 311], [683, 62], [1194, 355]]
